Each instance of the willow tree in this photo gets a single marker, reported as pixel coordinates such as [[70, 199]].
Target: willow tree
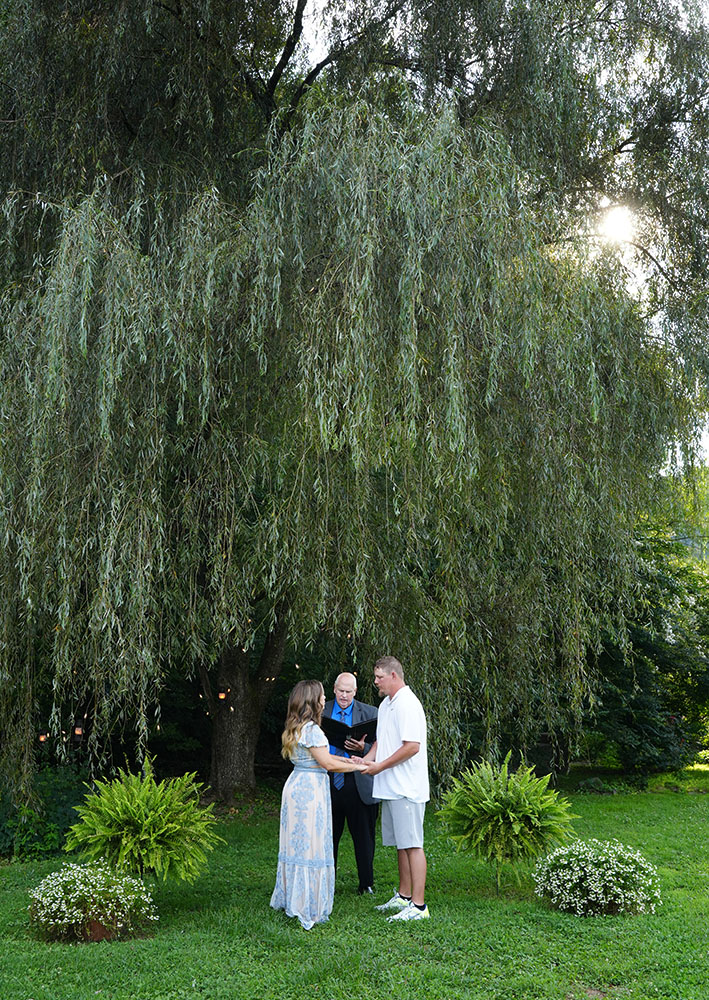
[[378, 401], [601, 99]]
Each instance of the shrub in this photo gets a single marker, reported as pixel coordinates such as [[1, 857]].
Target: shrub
[[85, 902], [595, 878], [142, 826], [597, 786], [31, 831], [505, 817]]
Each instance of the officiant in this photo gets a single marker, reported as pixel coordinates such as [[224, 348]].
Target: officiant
[[351, 794]]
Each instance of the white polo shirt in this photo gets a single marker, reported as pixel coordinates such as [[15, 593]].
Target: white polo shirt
[[401, 720]]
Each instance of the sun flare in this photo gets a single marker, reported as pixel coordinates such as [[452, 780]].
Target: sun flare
[[618, 225]]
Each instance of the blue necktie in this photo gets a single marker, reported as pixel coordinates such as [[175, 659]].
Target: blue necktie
[[338, 778]]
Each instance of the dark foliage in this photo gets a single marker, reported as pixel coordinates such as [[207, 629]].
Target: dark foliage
[[654, 695], [38, 829]]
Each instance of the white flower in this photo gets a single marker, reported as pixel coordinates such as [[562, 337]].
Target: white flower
[[595, 878], [65, 902]]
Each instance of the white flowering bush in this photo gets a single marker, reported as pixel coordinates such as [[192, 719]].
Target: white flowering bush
[[78, 901], [598, 877]]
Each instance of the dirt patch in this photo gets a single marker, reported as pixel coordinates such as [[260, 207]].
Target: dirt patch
[[591, 993]]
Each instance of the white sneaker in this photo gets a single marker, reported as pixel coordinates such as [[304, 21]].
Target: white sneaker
[[396, 902], [410, 912]]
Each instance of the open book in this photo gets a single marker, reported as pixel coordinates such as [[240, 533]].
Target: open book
[[338, 732]]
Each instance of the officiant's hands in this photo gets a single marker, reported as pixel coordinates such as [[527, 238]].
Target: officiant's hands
[[355, 746]]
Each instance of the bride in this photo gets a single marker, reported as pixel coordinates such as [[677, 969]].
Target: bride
[[305, 879]]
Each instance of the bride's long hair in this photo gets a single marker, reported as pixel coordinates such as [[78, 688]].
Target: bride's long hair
[[303, 706]]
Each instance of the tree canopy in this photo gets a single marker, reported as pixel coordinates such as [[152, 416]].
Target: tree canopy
[[280, 360]]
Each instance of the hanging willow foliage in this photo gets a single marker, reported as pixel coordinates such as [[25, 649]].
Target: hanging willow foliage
[[376, 399]]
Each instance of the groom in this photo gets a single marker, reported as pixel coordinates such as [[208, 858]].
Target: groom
[[351, 793]]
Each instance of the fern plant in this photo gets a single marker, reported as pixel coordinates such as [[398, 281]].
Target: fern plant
[[142, 826], [505, 817]]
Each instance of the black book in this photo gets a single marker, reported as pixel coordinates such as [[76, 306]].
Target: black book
[[338, 732]]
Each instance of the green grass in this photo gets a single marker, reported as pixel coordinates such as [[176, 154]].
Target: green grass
[[219, 939]]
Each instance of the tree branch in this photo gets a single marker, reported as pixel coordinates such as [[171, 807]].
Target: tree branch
[[206, 686], [288, 48], [262, 99], [271, 660], [345, 47], [175, 12], [651, 257]]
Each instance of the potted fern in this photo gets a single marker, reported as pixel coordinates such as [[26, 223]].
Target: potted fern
[[505, 817], [146, 827]]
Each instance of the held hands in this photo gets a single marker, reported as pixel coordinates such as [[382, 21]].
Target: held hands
[[354, 746], [369, 767]]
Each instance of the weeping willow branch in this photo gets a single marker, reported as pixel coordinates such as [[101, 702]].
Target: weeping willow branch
[[373, 398]]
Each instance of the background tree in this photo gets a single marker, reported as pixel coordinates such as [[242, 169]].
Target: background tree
[[377, 387], [654, 695]]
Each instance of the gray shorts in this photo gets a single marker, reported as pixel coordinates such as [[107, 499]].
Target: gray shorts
[[402, 823]]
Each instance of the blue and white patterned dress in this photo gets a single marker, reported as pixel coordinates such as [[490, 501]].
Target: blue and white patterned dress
[[305, 880]]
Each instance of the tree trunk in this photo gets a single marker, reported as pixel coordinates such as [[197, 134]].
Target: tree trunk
[[236, 702]]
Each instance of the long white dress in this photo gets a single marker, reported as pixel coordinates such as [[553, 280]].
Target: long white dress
[[305, 879]]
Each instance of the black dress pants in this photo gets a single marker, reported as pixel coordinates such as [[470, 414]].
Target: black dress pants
[[361, 822]]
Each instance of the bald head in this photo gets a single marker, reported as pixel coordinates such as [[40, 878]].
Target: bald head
[[345, 689]]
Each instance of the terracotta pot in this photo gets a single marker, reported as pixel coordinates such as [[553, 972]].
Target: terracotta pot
[[97, 931]]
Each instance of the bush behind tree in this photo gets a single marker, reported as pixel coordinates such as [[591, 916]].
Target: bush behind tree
[[653, 694], [38, 827]]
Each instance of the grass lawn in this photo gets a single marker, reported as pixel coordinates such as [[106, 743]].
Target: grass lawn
[[219, 939]]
